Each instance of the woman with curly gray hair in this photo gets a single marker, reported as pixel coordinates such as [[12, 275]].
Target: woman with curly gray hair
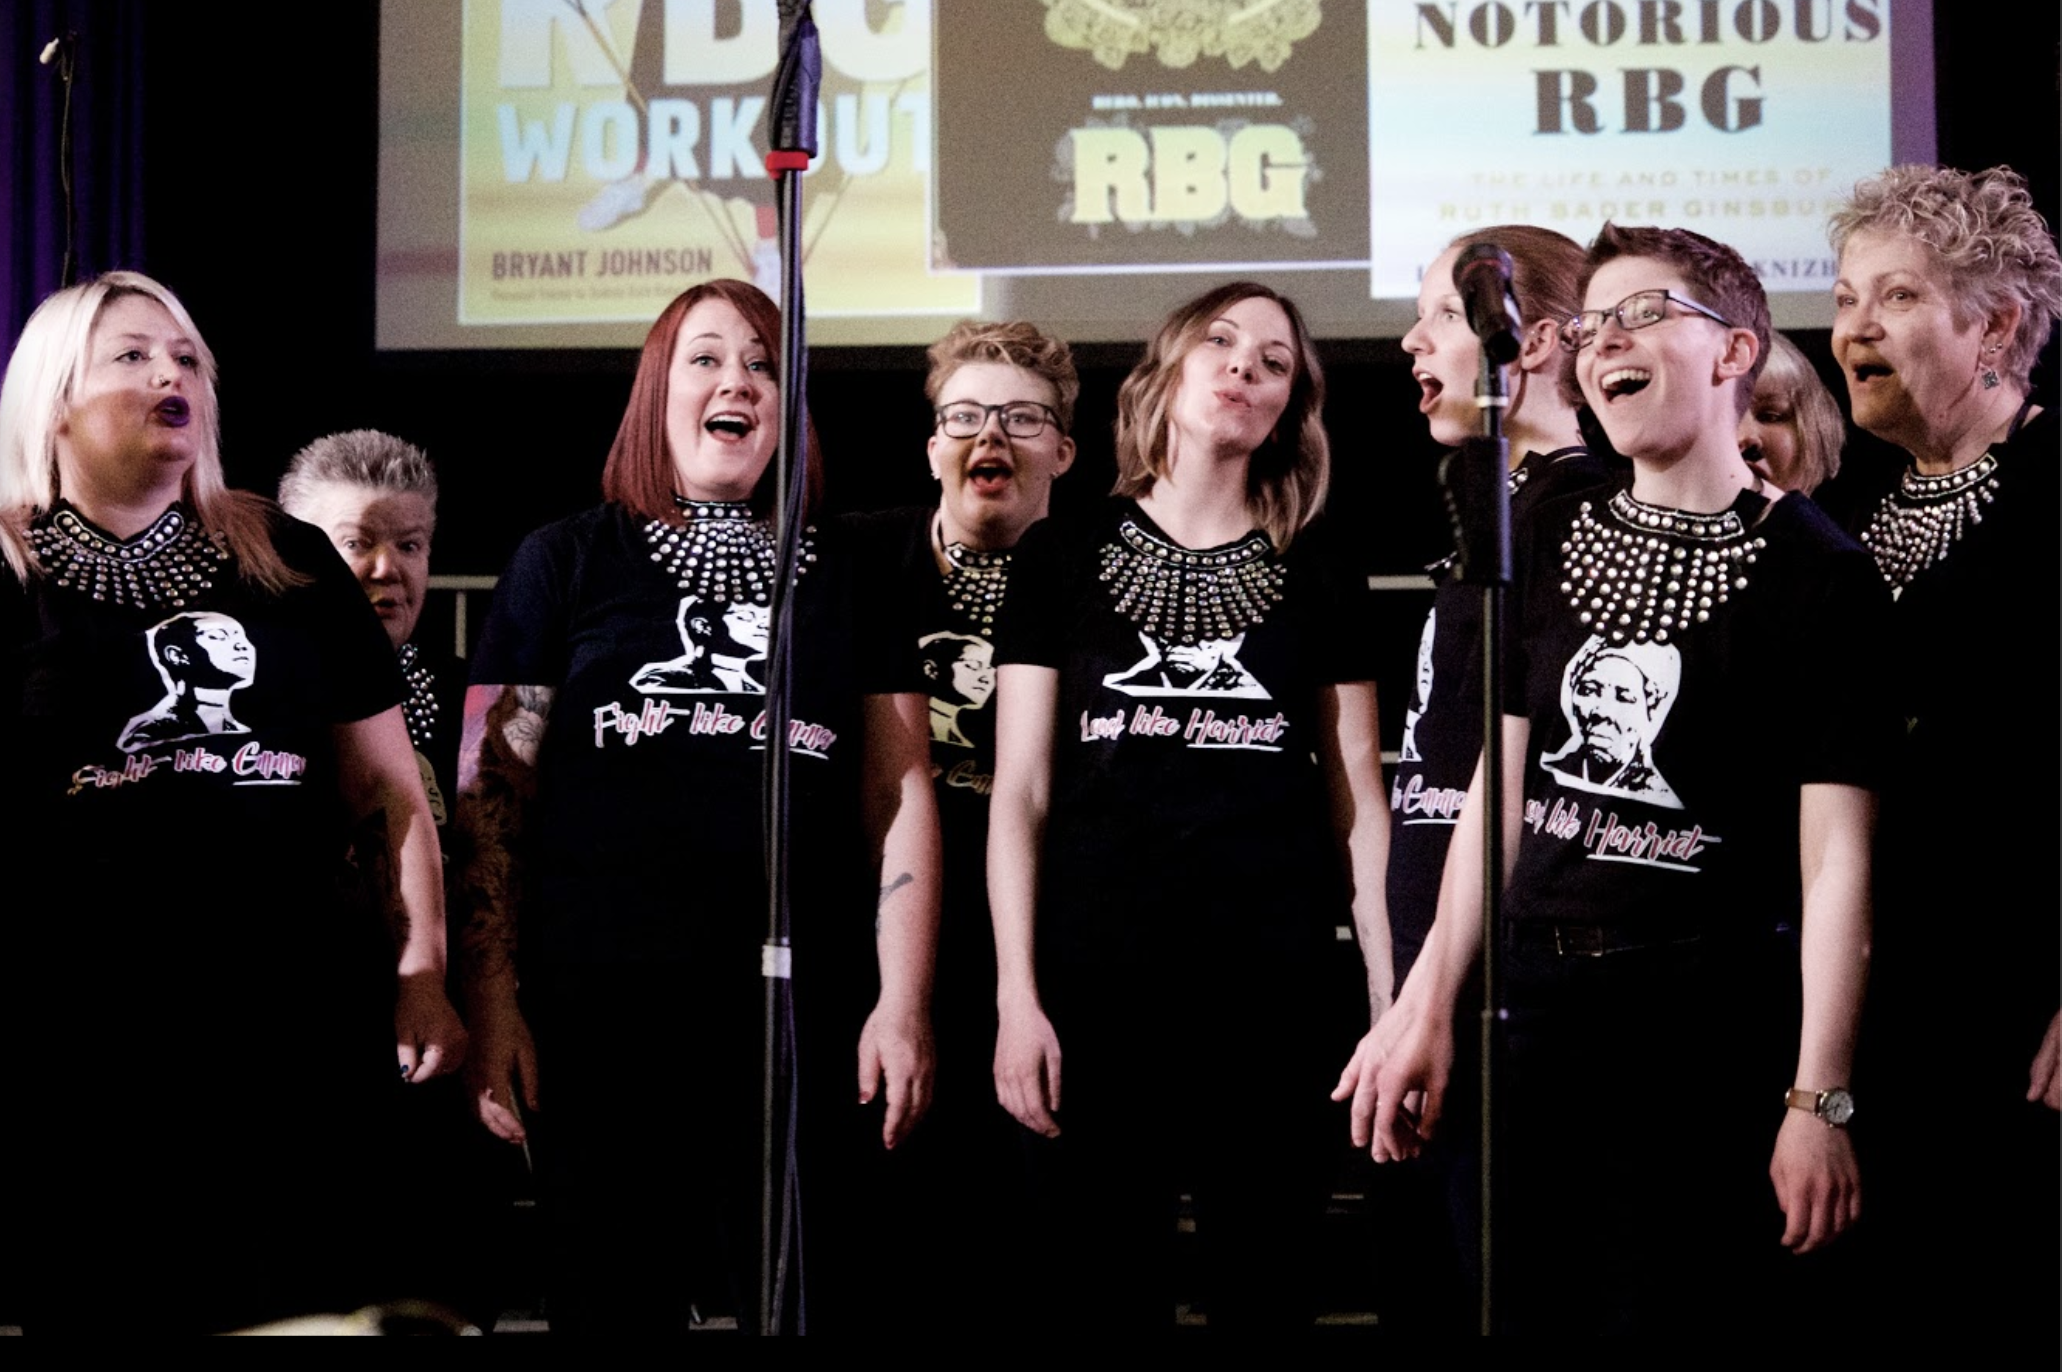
[[1948, 290]]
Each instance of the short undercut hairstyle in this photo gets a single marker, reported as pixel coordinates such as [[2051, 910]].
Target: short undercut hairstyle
[[1718, 276], [358, 457]]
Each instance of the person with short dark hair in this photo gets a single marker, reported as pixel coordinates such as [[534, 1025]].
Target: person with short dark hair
[[1686, 917]]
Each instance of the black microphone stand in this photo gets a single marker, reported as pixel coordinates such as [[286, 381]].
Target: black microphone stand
[[791, 143], [63, 50], [1475, 477]]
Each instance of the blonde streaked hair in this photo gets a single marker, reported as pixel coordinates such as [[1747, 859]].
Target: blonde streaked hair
[[1289, 473], [42, 378], [1790, 381], [1011, 343]]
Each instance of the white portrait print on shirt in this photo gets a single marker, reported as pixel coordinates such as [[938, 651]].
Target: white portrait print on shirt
[[723, 651], [1210, 668], [1616, 698], [203, 658]]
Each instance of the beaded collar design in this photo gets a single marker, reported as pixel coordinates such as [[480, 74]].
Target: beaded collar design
[[1180, 596], [420, 709], [724, 552], [163, 567], [1645, 572], [975, 582], [1919, 523]]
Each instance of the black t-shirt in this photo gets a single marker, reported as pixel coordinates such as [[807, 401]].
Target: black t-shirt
[[645, 840], [1189, 812], [956, 657], [1442, 729], [1975, 668], [175, 775], [1662, 777], [435, 709]]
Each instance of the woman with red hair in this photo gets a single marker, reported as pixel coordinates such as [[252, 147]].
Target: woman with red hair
[[609, 790]]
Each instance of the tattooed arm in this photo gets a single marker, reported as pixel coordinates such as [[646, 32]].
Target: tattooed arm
[[902, 826], [397, 843], [497, 780]]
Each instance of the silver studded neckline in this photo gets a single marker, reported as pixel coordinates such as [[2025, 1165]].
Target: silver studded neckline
[[421, 707], [975, 583], [1919, 523], [1180, 595], [163, 567], [1645, 572], [723, 552]]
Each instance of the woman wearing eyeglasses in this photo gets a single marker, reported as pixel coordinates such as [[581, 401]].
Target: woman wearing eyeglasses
[[1695, 721], [1188, 805], [1002, 397]]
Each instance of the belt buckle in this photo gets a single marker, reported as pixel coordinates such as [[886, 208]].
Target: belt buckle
[[1579, 941]]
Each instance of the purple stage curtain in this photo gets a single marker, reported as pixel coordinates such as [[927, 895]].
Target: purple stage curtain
[[107, 146]]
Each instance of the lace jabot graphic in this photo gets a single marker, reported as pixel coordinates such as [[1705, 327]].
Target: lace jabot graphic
[[1180, 31]]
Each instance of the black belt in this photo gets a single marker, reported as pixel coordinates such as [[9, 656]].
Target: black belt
[[1602, 940]]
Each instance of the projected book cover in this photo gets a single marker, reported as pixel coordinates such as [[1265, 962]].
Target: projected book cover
[[1157, 135], [613, 154]]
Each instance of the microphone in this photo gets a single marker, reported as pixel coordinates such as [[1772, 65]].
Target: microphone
[[791, 120], [49, 53], [1483, 276]]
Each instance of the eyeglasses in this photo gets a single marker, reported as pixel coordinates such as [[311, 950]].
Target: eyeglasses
[[1636, 311], [1020, 418]]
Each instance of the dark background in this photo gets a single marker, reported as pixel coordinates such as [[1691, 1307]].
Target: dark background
[[236, 164]]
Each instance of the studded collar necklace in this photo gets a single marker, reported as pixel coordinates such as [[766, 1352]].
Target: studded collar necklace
[[1919, 523], [724, 551], [421, 707], [1635, 572], [975, 579], [162, 567], [1183, 595]]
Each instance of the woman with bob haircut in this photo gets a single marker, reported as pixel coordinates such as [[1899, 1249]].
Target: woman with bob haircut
[[614, 820], [1948, 290], [1188, 804], [259, 987], [1792, 433]]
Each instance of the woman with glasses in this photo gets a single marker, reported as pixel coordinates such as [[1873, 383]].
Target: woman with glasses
[[610, 790], [1002, 397], [1948, 290], [1188, 806], [1686, 913]]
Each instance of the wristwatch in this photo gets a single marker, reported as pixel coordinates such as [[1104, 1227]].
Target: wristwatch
[[1834, 1105]]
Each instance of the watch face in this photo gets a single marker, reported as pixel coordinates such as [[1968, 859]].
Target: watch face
[[1836, 1107]]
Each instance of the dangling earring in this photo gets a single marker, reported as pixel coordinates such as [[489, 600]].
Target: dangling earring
[[1989, 378]]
